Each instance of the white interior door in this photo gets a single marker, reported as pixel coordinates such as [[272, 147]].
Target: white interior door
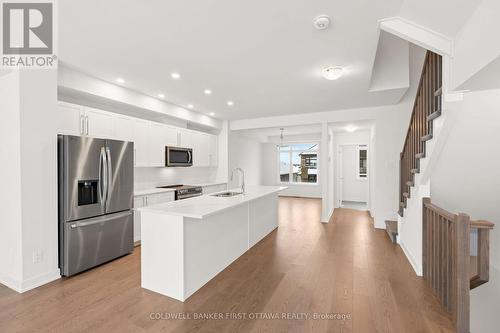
[[352, 188]]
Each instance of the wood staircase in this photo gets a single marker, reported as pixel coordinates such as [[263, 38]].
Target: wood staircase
[[426, 109], [391, 227], [450, 266]]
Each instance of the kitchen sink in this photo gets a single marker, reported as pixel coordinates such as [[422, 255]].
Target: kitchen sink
[[226, 194]]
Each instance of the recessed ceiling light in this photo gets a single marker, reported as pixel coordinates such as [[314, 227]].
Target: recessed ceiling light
[[212, 114], [230, 103], [120, 80], [350, 129], [190, 106], [161, 95], [332, 73], [208, 92], [175, 76]]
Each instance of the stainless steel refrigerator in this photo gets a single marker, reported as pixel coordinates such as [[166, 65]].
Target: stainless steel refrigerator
[[96, 185]]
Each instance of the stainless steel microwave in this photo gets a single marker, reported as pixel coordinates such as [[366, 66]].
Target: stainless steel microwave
[[178, 157]]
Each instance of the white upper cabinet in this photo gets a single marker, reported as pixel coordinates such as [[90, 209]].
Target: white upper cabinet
[[70, 119], [141, 143], [123, 128], [214, 150], [99, 124], [158, 140], [149, 137], [204, 147]]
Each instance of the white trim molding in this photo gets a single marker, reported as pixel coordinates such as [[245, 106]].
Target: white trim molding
[[417, 34]]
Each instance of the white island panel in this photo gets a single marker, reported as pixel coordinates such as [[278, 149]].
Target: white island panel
[[187, 243], [263, 218], [162, 254], [213, 244]]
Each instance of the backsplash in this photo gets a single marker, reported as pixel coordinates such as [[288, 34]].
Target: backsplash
[[152, 177]]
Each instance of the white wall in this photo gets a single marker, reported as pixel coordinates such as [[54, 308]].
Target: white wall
[[389, 125], [145, 178], [245, 153], [34, 179], [464, 180], [10, 215]]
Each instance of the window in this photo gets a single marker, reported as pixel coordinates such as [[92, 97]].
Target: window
[[298, 163], [362, 161]]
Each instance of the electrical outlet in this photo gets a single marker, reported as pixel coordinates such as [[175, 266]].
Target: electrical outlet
[[37, 256]]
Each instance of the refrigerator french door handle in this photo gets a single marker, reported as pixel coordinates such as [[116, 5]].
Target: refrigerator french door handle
[[100, 188], [100, 219], [109, 171], [190, 157], [105, 174]]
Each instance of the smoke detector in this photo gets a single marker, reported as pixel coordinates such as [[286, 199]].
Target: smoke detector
[[321, 22]]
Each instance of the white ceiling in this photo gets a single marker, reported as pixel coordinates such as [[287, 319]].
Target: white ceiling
[[263, 55]]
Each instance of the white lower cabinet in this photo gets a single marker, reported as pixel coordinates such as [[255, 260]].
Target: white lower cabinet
[[214, 188], [144, 201]]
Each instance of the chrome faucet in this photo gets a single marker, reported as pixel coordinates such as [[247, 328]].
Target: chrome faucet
[[242, 178]]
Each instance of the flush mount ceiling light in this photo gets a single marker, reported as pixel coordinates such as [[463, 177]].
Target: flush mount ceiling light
[[321, 22], [175, 76], [212, 114], [190, 106], [230, 103], [350, 129], [120, 80], [208, 92], [332, 73], [161, 96]]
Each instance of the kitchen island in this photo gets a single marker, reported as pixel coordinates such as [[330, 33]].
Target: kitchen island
[[188, 242]]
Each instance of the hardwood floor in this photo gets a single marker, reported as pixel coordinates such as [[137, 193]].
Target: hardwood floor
[[344, 267]]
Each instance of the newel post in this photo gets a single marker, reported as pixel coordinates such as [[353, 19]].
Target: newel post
[[462, 279]]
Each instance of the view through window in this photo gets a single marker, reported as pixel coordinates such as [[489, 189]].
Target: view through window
[[298, 163]]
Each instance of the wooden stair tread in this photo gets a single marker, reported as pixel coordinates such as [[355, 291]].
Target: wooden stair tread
[[409, 183], [426, 137], [438, 92], [414, 170], [406, 194], [391, 227], [419, 155], [434, 115]]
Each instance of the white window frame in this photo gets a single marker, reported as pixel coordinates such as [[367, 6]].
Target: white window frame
[[358, 148], [291, 151]]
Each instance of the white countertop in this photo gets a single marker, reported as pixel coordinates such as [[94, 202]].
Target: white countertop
[[203, 206], [153, 190]]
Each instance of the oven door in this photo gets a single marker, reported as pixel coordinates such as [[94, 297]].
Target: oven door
[[178, 157]]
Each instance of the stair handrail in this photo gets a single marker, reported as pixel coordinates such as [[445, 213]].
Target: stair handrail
[[446, 258]]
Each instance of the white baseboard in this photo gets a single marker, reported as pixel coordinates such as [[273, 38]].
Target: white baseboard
[[32, 283], [414, 265], [329, 216], [11, 283]]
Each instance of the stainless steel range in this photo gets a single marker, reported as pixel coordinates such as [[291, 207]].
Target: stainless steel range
[[185, 191], [96, 186]]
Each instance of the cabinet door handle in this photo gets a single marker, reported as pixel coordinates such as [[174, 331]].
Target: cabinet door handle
[[87, 124], [82, 124]]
